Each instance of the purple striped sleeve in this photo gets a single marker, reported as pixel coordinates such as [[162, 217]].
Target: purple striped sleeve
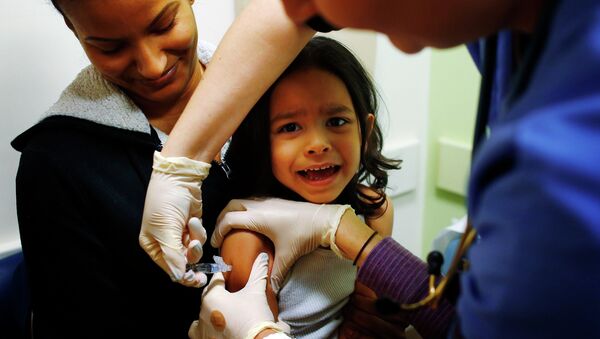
[[393, 272]]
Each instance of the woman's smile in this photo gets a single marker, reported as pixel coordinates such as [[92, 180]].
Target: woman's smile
[[167, 78]]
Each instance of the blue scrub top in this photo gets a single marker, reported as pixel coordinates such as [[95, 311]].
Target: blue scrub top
[[534, 193]]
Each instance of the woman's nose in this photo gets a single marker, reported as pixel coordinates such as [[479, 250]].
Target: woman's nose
[[150, 60]]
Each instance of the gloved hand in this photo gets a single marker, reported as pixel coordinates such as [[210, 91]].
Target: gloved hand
[[242, 314], [174, 201], [295, 228]]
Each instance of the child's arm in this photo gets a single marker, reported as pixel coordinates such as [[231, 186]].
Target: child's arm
[[239, 250], [384, 223]]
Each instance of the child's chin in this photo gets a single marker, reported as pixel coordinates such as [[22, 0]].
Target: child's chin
[[319, 198]]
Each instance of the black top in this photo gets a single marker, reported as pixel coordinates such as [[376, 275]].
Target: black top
[[80, 196]]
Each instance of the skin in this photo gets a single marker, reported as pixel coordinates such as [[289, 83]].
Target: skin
[[146, 47], [312, 122], [313, 125], [413, 25]]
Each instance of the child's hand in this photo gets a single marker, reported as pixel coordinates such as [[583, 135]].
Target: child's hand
[[295, 228]]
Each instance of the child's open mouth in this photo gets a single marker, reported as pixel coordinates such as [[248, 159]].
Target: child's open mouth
[[318, 174]]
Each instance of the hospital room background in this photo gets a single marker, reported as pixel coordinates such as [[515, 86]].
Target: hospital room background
[[430, 101]]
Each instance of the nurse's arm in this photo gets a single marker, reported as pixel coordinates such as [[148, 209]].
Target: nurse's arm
[[256, 49]]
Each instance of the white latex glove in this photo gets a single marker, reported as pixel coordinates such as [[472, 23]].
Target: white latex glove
[[242, 314], [295, 228], [174, 197]]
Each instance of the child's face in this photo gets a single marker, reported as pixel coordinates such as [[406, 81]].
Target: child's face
[[315, 135]]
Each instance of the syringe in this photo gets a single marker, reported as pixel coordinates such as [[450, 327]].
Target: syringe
[[218, 266]]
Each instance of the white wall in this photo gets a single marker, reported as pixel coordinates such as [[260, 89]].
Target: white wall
[[403, 81], [39, 57]]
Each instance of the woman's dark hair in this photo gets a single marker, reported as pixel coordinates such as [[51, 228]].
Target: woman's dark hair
[[55, 3], [249, 154]]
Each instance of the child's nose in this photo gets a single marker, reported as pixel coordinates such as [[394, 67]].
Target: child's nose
[[317, 149], [318, 144]]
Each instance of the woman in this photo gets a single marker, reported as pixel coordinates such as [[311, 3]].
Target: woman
[[85, 167]]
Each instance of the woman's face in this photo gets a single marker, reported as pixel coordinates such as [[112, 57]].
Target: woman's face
[[315, 135], [146, 47]]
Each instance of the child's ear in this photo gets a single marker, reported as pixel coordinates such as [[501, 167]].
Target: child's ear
[[369, 124]]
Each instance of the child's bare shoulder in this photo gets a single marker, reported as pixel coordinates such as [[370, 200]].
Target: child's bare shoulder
[[383, 219]]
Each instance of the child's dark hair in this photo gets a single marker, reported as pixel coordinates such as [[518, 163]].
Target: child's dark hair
[[249, 154]]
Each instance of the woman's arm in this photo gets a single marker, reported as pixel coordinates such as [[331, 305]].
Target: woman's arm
[[253, 53], [392, 271], [239, 249], [360, 314], [256, 49]]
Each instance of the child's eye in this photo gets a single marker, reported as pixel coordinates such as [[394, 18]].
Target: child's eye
[[288, 128], [337, 122]]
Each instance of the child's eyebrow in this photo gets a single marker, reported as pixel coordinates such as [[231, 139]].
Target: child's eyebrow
[[333, 109], [287, 115]]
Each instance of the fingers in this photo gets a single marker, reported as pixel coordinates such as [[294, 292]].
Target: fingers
[[173, 262], [193, 279], [194, 252], [197, 230], [258, 275], [216, 285], [365, 320], [197, 235], [370, 325], [227, 222], [195, 331], [348, 330], [279, 272]]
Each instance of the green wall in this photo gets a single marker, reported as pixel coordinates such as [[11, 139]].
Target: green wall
[[454, 88]]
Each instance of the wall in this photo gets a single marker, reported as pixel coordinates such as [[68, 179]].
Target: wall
[[40, 56], [453, 103]]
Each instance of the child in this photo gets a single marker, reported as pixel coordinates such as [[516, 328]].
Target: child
[[312, 137]]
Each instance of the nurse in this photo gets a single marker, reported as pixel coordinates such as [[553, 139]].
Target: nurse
[[534, 190]]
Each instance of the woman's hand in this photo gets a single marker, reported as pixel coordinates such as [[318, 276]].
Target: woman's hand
[[295, 228], [363, 320], [243, 314], [174, 206]]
